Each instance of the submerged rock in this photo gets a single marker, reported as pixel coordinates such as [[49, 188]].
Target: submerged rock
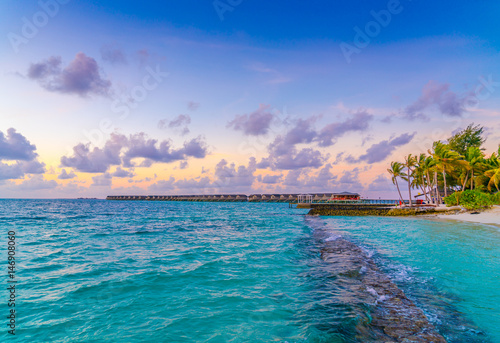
[[392, 316]]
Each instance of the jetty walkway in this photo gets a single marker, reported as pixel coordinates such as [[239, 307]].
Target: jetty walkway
[[284, 198]]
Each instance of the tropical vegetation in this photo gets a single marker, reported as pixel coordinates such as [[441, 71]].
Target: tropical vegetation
[[456, 171]]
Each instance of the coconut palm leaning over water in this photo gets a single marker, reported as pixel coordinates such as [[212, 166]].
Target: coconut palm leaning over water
[[396, 170], [456, 171]]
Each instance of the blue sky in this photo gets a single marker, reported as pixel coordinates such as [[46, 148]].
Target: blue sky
[[240, 93]]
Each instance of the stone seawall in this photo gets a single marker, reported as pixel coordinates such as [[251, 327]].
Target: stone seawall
[[349, 210], [369, 210]]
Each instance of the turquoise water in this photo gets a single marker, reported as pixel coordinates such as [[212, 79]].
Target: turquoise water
[[93, 270]]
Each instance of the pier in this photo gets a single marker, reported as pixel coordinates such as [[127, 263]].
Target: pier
[[323, 204], [311, 198], [201, 198]]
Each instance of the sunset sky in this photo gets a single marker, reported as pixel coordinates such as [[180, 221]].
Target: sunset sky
[[236, 96]]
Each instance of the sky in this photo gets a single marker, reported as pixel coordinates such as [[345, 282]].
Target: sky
[[235, 96]]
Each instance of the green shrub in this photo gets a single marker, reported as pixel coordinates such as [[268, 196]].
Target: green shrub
[[495, 198], [453, 199], [471, 199]]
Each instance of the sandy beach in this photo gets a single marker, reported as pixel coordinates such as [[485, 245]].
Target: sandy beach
[[489, 216]]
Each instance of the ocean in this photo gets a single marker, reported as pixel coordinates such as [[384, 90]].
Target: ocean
[[138, 271]]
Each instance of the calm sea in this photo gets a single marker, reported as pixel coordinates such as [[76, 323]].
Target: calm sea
[[95, 270]]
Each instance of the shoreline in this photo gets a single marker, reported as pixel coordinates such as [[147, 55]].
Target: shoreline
[[489, 216]]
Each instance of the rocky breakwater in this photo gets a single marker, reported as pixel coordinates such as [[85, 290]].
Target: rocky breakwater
[[349, 209], [376, 210], [390, 316]]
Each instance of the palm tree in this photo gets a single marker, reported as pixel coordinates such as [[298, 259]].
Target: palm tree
[[446, 160], [429, 167], [436, 153], [421, 175], [396, 170], [475, 159], [451, 166], [493, 172], [410, 163]]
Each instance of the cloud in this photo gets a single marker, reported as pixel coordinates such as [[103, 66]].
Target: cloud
[[19, 169], [229, 176], [350, 178], [264, 163], [283, 153], [36, 182], [183, 165], [193, 106], [193, 185], [51, 66], [270, 179], [163, 186], [140, 146], [324, 178], [113, 55], [96, 160], [81, 76], [253, 124], [388, 119], [181, 121], [66, 176], [359, 122], [13, 171], [103, 180], [439, 96], [147, 148], [302, 132], [120, 150], [163, 124], [292, 178], [33, 167], [15, 146], [323, 181], [300, 181], [304, 158], [195, 148], [380, 184], [380, 151], [119, 172]]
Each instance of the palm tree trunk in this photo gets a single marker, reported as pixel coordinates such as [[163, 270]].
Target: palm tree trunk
[[409, 186], [400, 196], [424, 188], [438, 196], [472, 180], [430, 184], [444, 180], [465, 182]]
